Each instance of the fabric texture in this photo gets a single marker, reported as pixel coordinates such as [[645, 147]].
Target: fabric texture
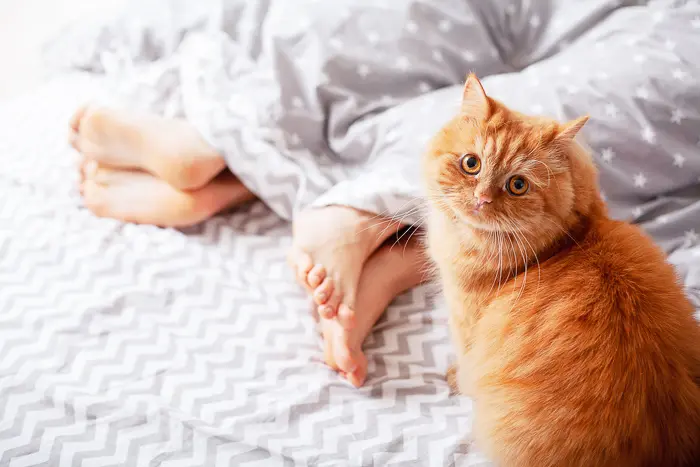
[[125, 345]]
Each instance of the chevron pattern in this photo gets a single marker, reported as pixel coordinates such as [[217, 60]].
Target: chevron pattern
[[136, 346]]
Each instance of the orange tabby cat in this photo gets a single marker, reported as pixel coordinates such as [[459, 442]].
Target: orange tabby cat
[[572, 332]]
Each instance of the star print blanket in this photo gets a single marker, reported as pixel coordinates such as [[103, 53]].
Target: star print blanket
[[133, 345]]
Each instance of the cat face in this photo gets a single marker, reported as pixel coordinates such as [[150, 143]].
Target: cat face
[[496, 170]]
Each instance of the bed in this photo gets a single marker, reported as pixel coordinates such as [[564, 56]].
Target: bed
[[140, 346]]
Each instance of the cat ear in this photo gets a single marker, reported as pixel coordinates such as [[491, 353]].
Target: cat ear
[[474, 101], [568, 131]]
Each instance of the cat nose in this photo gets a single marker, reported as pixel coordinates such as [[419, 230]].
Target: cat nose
[[482, 199]]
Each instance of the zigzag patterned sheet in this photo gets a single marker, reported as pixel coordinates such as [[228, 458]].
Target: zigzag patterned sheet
[[125, 345]]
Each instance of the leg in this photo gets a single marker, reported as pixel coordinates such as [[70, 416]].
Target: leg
[[390, 271], [170, 149], [138, 197]]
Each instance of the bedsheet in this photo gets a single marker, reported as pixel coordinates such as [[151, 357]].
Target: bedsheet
[[126, 345]]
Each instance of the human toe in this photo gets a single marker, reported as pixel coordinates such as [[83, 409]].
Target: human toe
[[315, 276], [330, 308], [323, 292], [301, 263]]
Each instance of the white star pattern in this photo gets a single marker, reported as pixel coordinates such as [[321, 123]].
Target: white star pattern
[[468, 55], [678, 160], [535, 21], [642, 92], [437, 55], [679, 74], [424, 87], [411, 27], [676, 116], [648, 135], [658, 16], [639, 58], [663, 219], [611, 110], [607, 155], [640, 180], [403, 64], [445, 25], [363, 70], [294, 139], [691, 236]]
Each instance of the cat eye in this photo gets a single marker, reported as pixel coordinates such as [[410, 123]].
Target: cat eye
[[470, 164], [517, 185]]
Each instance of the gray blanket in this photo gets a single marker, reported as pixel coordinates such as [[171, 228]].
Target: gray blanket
[[110, 355]]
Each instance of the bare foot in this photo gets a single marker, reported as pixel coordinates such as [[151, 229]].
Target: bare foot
[[390, 271], [138, 197], [170, 149], [331, 245]]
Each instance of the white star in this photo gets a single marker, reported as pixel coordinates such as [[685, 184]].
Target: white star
[[691, 236], [637, 212], [639, 58], [640, 180], [696, 22], [679, 74], [607, 155], [411, 27], [669, 44], [437, 55], [535, 21], [363, 70], [642, 92], [424, 87], [678, 159], [373, 37], [648, 135], [677, 115], [468, 55], [297, 102], [565, 69], [445, 25], [403, 64], [657, 17], [663, 219], [611, 110]]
